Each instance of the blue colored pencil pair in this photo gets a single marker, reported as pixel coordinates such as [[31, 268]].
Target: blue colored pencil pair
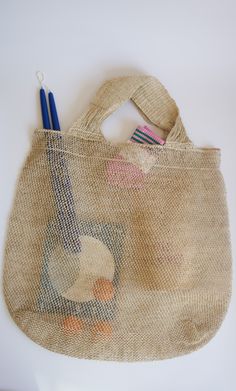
[[45, 113]]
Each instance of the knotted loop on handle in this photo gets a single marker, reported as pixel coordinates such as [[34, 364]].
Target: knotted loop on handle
[[148, 94]]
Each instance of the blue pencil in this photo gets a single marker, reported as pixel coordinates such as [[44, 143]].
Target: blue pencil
[[53, 111], [44, 109]]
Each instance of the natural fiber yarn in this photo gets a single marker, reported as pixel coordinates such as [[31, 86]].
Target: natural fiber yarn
[[129, 269]]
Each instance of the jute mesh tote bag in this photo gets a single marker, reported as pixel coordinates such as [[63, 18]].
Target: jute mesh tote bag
[[119, 251]]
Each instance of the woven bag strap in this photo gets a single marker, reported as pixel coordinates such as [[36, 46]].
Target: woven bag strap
[[149, 95]]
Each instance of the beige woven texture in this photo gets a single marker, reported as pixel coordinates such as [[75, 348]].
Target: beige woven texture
[[119, 252]]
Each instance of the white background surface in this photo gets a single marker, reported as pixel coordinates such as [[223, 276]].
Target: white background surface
[[190, 47]]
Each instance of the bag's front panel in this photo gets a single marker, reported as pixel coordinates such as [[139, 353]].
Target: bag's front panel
[[119, 252], [146, 278]]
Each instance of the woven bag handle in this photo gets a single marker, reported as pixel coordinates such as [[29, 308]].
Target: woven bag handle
[[149, 95]]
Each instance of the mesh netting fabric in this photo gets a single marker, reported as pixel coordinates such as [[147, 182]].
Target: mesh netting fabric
[[119, 252]]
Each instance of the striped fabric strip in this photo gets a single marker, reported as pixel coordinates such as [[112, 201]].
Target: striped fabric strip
[[144, 135]]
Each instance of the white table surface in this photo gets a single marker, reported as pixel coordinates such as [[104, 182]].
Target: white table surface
[[190, 47]]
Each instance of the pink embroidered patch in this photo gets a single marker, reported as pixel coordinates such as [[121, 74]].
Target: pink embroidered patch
[[123, 174]]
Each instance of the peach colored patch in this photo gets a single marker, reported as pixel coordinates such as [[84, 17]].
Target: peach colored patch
[[71, 323], [103, 328], [103, 289]]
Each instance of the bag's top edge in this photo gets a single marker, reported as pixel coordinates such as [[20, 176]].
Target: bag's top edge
[[90, 136], [175, 155]]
